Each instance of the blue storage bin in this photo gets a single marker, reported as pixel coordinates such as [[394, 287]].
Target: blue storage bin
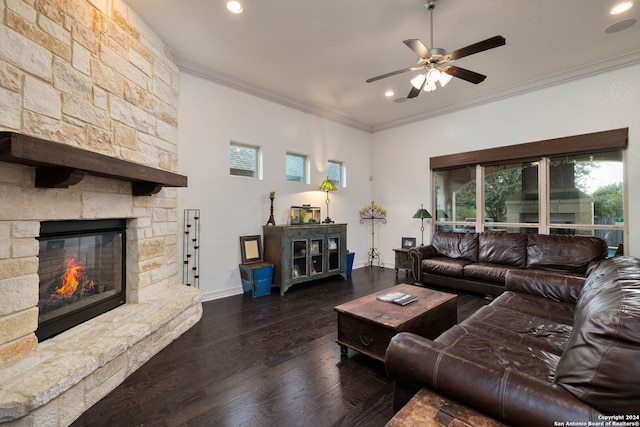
[[256, 278], [349, 266]]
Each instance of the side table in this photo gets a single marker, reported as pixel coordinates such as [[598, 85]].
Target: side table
[[403, 261]]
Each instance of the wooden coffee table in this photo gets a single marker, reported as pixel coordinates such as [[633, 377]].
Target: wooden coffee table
[[367, 324]]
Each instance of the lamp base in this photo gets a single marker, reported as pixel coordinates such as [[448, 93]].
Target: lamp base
[[327, 220]]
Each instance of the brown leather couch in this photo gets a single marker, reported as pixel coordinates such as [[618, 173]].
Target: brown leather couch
[[478, 262], [544, 351]]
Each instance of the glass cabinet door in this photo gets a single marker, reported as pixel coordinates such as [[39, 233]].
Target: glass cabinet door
[[334, 253], [299, 266], [317, 257]]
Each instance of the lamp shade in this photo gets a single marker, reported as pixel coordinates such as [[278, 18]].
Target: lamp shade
[[422, 213], [328, 185]]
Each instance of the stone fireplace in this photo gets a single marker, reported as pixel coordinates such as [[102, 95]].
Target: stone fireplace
[[92, 78], [107, 348]]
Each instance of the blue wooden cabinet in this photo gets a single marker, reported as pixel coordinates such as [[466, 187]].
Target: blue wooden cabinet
[[301, 253]]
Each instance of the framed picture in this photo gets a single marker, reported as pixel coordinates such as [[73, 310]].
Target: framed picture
[[251, 248], [408, 242]]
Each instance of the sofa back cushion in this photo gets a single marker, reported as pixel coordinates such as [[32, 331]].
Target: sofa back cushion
[[503, 248], [601, 362], [456, 245], [571, 254]]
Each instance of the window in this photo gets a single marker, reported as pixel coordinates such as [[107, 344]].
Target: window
[[586, 191], [455, 194], [511, 196], [580, 193], [335, 173], [243, 160], [297, 168]]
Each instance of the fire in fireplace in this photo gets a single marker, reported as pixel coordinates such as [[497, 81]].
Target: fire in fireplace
[[81, 270]]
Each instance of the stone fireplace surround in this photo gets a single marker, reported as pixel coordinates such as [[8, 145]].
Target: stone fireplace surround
[[53, 382]]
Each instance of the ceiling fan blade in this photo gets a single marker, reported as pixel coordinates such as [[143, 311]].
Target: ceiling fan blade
[[419, 48], [415, 92], [461, 73], [476, 47], [393, 73]]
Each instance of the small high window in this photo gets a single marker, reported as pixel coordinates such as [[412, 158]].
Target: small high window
[[297, 167], [335, 172], [243, 160]]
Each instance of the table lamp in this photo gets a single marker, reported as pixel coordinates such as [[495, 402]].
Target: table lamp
[[327, 185]]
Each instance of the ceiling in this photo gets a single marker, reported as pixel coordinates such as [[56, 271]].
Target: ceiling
[[316, 55]]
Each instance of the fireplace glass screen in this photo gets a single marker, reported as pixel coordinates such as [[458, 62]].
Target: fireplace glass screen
[[81, 270]]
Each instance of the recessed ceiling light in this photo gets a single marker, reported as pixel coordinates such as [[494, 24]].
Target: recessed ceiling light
[[389, 93], [621, 7], [234, 6]]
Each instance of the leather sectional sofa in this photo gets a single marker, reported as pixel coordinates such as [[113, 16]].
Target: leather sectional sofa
[[542, 353], [478, 262]]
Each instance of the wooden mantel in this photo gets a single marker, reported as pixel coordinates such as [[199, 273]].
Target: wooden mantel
[[60, 165]]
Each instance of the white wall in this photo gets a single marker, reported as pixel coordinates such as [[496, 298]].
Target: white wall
[[210, 116], [401, 155]]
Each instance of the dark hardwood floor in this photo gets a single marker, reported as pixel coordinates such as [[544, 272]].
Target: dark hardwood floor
[[268, 361]]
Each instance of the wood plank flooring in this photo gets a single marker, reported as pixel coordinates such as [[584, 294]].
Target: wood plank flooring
[[268, 361]]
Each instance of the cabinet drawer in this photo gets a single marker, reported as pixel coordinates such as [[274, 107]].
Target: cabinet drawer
[[364, 336]]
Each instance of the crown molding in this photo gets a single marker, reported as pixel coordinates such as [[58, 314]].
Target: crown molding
[[533, 85], [252, 89]]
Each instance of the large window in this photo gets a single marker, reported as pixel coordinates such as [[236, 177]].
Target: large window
[[586, 193], [581, 193], [243, 160], [297, 168]]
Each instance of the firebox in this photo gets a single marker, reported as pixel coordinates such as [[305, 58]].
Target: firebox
[[81, 270]]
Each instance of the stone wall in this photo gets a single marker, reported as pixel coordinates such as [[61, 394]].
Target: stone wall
[[91, 74]]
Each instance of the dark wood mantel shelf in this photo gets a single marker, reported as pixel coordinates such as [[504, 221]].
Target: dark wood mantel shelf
[[59, 165]]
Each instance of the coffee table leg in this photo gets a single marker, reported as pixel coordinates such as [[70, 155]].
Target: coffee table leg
[[344, 350]]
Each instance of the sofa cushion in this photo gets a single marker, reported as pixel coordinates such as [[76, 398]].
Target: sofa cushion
[[444, 266], [564, 253], [601, 363], [487, 272], [503, 248], [490, 350], [456, 245]]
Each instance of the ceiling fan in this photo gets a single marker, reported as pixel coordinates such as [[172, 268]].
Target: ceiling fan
[[434, 62]]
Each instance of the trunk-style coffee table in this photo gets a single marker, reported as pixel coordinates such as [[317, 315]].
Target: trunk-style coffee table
[[367, 324]]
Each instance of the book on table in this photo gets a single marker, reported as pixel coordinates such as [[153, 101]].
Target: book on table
[[399, 298]]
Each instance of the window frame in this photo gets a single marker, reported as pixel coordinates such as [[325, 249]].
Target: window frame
[[342, 173], [257, 174], [305, 167]]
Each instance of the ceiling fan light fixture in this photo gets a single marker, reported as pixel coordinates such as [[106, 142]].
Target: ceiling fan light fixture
[[433, 75], [418, 80], [444, 79], [430, 86]]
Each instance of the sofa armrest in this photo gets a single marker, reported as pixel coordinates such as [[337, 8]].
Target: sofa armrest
[[500, 392], [592, 266], [546, 284], [417, 254]]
